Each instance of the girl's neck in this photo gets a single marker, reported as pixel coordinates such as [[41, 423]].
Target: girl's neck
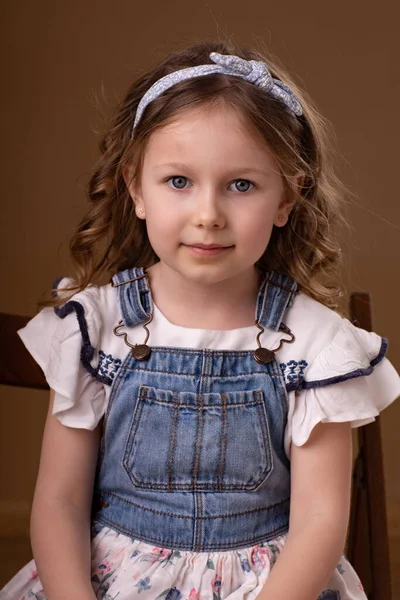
[[229, 304]]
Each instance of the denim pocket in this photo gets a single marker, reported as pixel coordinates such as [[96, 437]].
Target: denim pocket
[[181, 441]]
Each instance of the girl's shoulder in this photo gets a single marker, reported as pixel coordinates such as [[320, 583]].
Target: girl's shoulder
[[98, 303], [72, 344], [79, 332], [328, 348]]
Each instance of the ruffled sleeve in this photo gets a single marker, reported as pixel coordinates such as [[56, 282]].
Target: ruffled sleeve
[[349, 380], [57, 343]]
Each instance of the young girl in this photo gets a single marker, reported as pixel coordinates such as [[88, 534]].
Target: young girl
[[202, 402]]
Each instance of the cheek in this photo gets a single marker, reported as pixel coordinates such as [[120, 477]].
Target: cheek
[[163, 217], [256, 225], [164, 225], [158, 210]]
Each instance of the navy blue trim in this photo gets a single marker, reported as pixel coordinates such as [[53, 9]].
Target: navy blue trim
[[55, 286], [382, 352], [307, 385], [87, 350]]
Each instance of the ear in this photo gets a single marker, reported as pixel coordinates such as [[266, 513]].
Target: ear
[[134, 192], [288, 202]]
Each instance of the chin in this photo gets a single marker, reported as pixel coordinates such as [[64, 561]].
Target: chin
[[208, 274]]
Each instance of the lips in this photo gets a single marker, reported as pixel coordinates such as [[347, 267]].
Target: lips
[[208, 246], [207, 250]]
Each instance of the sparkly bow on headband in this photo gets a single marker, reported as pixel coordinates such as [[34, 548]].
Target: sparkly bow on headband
[[254, 71]]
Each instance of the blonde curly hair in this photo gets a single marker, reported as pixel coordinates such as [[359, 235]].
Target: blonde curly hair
[[111, 238]]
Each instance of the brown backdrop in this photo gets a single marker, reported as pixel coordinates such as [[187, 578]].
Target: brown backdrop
[[59, 56]]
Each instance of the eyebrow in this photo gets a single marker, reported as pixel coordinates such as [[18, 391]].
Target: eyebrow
[[243, 170]]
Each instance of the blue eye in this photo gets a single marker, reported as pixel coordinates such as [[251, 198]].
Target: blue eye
[[178, 182], [242, 185]]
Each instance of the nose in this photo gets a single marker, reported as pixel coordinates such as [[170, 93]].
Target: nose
[[208, 211]]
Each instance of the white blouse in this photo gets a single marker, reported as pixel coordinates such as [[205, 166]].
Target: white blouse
[[328, 366]]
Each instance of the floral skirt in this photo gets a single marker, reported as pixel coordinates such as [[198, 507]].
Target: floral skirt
[[128, 569]]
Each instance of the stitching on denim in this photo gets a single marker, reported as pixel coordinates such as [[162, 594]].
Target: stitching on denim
[[215, 547], [132, 432], [282, 391], [292, 292], [134, 299], [273, 304], [172, 441], [263, 372], [247, 541], [196, 520], [205, 406], [209, 518], [199, 487], [213, 378], [263, 422], [201, 521], [194, 465], [194, 486], [222, 444], [266, 443], [190, 351], [208, 364], [199, 433], [198, 523]]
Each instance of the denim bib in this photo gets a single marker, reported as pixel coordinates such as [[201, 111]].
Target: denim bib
[[192, 454]]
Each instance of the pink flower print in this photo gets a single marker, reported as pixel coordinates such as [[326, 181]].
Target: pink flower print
[[258, 556], [261, 555], [105, 567], [216, 583], [161, 553], [34, 573], [360, 586], [194, 595], [121, 551], [216, 587]]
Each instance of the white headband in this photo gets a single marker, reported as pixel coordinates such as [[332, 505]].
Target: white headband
[[253, 71]]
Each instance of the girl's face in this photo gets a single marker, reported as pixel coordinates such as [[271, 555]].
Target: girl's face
[[210, 192]]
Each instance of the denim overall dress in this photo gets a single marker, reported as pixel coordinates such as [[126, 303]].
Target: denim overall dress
[[192, 452]]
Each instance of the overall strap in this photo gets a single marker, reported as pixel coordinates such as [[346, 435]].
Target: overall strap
[[276, 295], [134, 295]]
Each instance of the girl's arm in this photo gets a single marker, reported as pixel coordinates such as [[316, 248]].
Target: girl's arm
[[60, 520], [319, 510]]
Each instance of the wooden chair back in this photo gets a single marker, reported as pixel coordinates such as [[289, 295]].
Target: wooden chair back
[[368, 542], [17, 367]]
